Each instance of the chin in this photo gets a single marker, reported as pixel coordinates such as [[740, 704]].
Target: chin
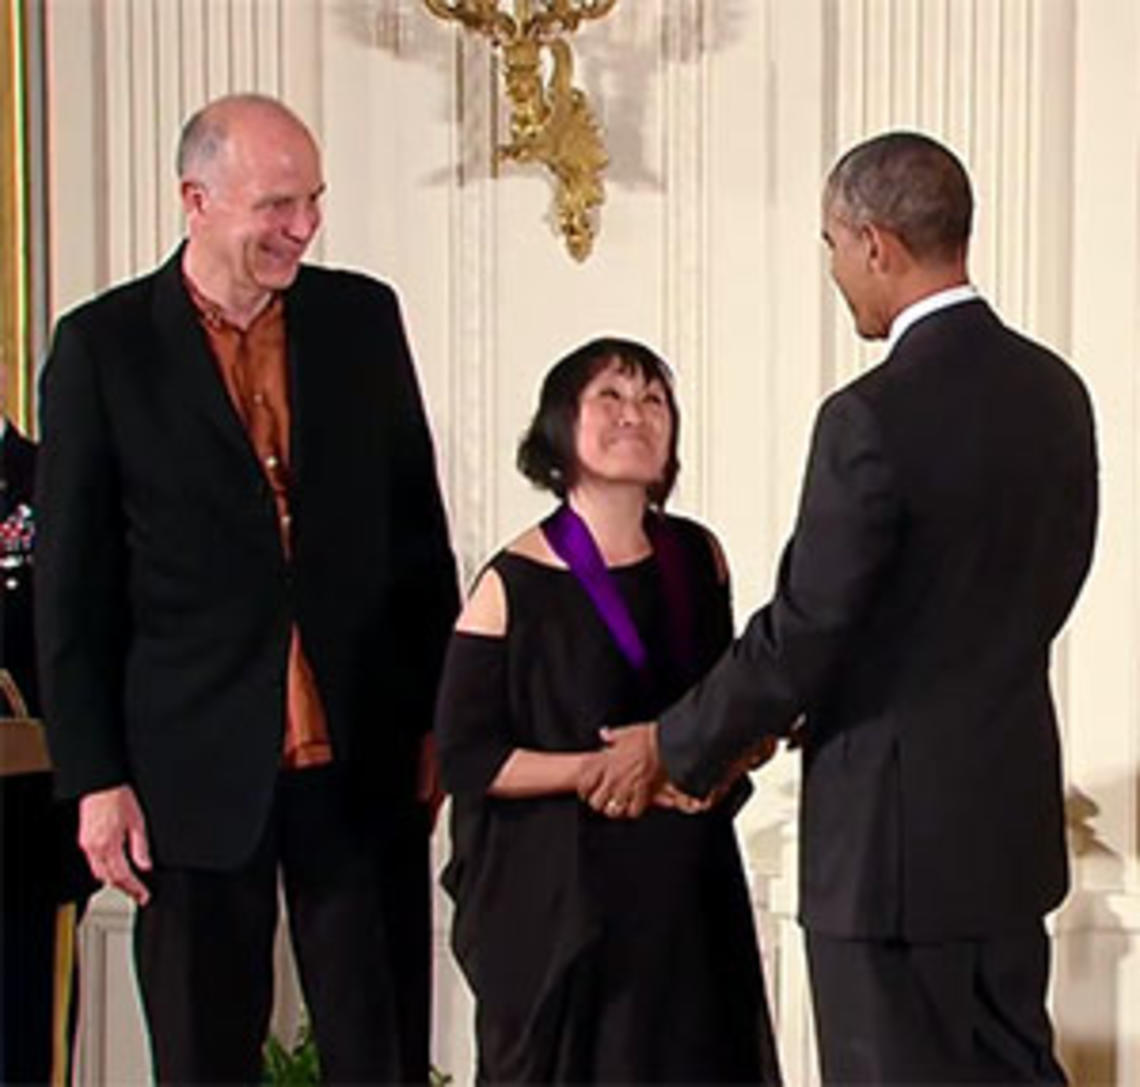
[[278, 279], [871, 330], [642, 475]]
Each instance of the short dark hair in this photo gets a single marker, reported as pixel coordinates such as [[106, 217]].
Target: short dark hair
[[912, 186], [547, 453]]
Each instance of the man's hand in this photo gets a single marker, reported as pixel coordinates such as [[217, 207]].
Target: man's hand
[[755, 757], [109, 819], [624, 776], [752, 759], [669, 796], [429, 791]]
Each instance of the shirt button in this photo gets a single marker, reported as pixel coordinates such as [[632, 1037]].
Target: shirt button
[[271, 462], [259, 399]]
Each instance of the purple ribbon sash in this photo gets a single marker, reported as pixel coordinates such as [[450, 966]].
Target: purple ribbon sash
[[570, 539]]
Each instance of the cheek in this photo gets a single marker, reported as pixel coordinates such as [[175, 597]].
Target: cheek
[[591, 422], [843, 282], [838, 272], [582, 434], [253, 241], [664, 439]]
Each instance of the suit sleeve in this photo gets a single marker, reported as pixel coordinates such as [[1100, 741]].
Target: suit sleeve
[[424, 575], [845, 537], [81, 596]]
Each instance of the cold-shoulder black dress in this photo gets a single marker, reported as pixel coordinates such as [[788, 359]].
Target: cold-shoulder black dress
[[598, 951]]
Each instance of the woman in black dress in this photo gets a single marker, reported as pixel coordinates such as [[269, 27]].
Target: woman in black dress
[[599, 950]]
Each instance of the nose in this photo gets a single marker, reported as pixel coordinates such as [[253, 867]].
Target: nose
[[304, 222], [630, 411]]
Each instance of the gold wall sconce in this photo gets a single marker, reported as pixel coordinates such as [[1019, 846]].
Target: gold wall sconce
[[551, 120]]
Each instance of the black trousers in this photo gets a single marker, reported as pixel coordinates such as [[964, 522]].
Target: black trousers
[[357, 892], [945, 1013]]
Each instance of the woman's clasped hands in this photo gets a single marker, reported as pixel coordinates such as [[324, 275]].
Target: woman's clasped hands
[[625, 777]]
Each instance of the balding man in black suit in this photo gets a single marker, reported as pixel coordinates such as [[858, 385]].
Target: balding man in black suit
[[245, 588]]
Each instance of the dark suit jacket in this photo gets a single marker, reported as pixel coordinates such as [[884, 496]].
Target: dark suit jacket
[[165, 600], [945, 527]]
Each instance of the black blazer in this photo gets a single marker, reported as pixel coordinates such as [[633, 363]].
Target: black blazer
[[945, 527], [165, 600]]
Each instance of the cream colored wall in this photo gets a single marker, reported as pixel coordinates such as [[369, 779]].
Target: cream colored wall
[[722, 117]]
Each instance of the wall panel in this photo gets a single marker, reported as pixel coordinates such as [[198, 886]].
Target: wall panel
[[1097, 975]]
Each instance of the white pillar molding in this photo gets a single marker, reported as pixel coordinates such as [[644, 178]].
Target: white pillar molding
[[111, 1044], [1097, 982], [684, 67], [788, 987], [1104, 644], [770, 839], [472, 354]]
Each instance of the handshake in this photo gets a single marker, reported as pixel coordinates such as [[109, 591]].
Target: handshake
[[626, 776]]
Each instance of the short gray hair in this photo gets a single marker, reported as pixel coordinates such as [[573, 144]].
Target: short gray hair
[[205, 133], [909, 184]]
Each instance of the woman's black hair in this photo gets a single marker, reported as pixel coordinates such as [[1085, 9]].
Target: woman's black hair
[[547, 453]]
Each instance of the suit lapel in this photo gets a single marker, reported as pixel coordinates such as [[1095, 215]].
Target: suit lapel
[[191, 370], [300, 352]]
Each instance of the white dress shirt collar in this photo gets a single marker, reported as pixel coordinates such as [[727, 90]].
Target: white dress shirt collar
[[924, 307]]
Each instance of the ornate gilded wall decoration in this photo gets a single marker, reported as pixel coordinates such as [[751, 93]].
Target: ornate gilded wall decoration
[[551, 120]]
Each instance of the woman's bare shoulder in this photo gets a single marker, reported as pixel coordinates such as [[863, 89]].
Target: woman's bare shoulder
[[486, 609], [532, 545]]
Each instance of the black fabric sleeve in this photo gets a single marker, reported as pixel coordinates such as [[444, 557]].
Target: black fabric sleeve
[[426, 588], [471, 721], [846, 535], [80, 573]]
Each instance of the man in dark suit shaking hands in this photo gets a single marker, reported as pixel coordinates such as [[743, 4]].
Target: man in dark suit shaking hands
[[245, 586], [945, 527]]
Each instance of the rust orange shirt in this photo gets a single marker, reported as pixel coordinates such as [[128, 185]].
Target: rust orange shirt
[[252, 364]]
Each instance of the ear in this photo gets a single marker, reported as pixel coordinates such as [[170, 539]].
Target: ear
[[877, 246], [194, 196], [888, 252]]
